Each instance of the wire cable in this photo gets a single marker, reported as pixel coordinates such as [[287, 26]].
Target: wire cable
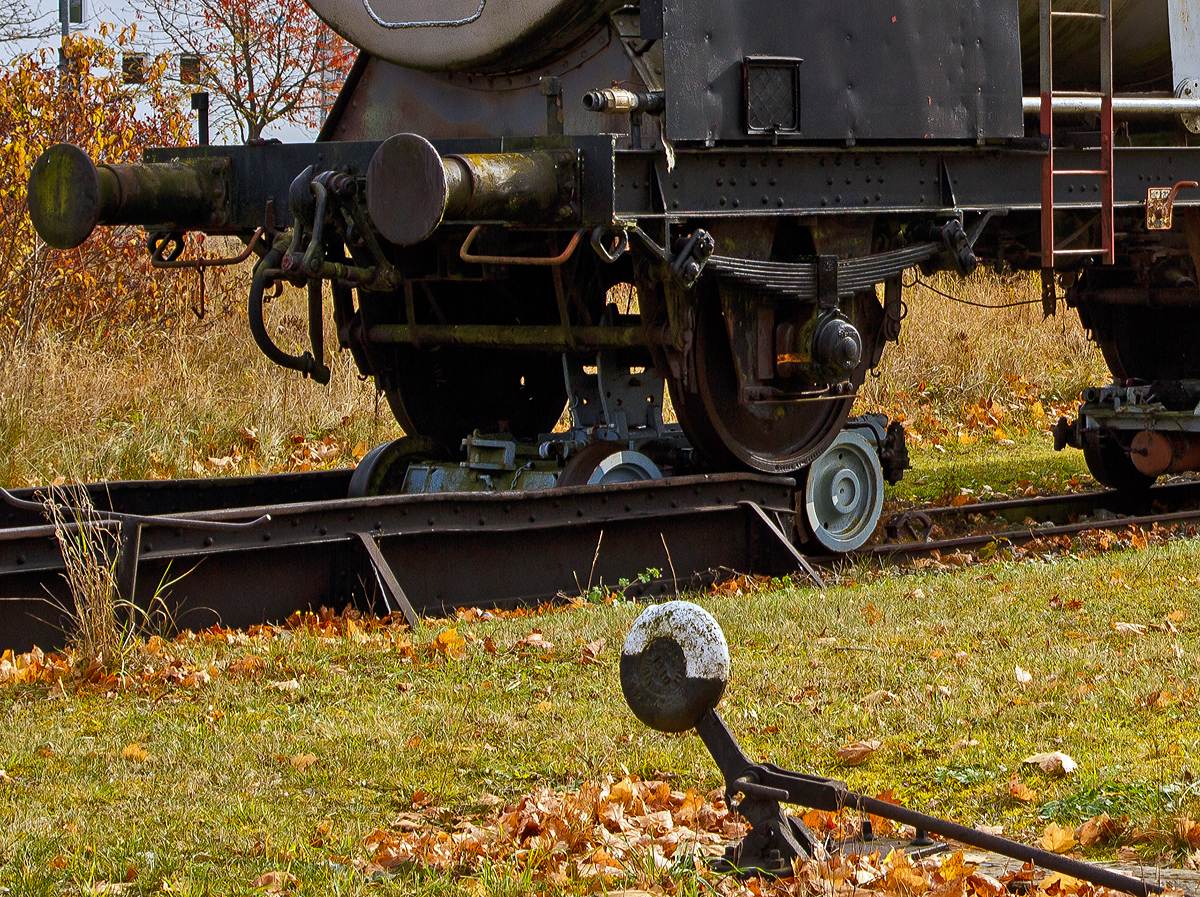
[[916, 281]]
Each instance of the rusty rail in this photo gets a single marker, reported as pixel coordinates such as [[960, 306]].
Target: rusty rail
[[319, 548], [311, 546]]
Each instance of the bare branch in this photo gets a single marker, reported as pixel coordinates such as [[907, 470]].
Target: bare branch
[[19, 22]]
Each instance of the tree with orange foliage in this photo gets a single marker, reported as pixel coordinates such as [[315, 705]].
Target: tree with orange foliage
[[265, 60], [108, 280]]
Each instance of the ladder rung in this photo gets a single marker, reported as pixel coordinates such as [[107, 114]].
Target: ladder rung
[[1080, 251], [1080, 172], [1064, 14]]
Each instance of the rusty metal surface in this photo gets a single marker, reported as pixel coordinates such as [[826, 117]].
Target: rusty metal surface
[[444, 551], [387, 99], [869, 70]]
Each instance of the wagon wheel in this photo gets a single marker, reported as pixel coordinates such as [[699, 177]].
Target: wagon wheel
[[770, 437], [448, 392], [1141, 340], [1109, 463]]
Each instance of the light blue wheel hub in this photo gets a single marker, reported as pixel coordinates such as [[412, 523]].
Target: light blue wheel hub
[[844, 494]]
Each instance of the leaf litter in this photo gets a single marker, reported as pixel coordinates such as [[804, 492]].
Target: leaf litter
[[634, 833]]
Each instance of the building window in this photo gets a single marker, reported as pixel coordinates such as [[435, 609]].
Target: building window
[[133, 68], [189, 69]]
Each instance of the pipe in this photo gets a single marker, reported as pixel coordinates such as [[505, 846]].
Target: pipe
[[1122, 106], [268, 269], [550, 337]]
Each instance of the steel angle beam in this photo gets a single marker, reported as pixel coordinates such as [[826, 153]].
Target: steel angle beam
[[791, 181], [440, 551]]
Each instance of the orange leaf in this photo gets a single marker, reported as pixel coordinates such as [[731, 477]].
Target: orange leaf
[[1057, 839], [1019, 790], [857, 752], [302, 762]]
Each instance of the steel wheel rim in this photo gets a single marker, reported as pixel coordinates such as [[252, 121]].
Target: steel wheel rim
[[624, 467], [799, 432], [844, 495]]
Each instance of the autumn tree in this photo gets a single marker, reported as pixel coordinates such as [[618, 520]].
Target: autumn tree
[[108, 280], [264, 60]]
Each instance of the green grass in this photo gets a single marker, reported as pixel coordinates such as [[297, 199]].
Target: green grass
[[987, 468], [218, 802]]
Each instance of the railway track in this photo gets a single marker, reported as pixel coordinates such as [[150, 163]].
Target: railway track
[[240, 551]]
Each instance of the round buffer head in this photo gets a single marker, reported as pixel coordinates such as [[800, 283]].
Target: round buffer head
[[64, 196], [674, 666], [407, 190]]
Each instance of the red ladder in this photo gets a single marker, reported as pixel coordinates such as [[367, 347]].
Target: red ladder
[[1050, 253]]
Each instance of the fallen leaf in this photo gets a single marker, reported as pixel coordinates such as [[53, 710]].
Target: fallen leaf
[[1188, 831], [247, 665], [302, 762], [1055, 763], [1128, 855], [872, 614], [905, 880], [274, 882], [1177, 616], [956, 886], [5, 779], [421, 798], [857, 752], [984, 885], [1057, 839], [413, 741], [880, 697], [997, 830], [1021, 791], [1129, 628], [1100, 828], [590, 653], [533, 641], [1023, 676], [289, 685], [135, 752], [448, 643]]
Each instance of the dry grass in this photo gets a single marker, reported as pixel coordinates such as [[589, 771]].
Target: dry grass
[[194, 399], [952, 356], [197, 398], [98, 632]]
